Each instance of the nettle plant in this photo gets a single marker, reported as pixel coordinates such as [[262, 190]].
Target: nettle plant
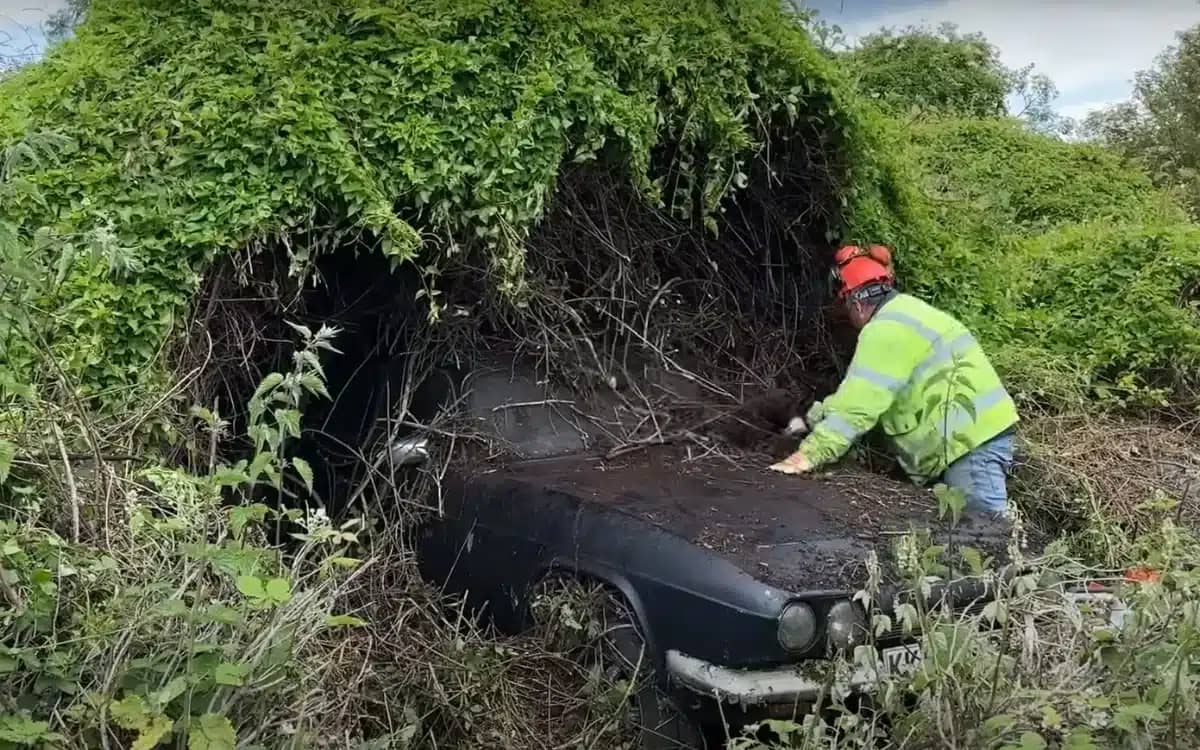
[[189, 625]]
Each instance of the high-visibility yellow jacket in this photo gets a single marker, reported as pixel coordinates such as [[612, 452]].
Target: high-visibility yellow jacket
[[914, 373]]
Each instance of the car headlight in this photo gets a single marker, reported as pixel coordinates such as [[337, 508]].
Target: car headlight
[[797, 627], [846, 625]]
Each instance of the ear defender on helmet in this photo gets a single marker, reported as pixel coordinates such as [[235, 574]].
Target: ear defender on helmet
[[855, 267]]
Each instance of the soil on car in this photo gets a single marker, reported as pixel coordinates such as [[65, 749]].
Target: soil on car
[[793, 532]]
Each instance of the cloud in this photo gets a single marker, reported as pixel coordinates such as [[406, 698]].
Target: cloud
[[21, 22], [1084, 46]]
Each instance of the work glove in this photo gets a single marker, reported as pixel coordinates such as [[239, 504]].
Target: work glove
[[795, 426]]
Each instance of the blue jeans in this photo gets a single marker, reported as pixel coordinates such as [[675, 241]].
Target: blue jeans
[[981, 475]]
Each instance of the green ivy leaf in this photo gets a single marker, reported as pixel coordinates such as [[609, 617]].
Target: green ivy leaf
[[211, 732]]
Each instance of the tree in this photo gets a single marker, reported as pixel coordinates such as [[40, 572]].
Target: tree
[[1159, 126], [62, 21], [948, 73], [941, 71]]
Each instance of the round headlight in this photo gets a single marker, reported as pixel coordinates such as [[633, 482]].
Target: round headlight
[[797, 627], [846, 625]]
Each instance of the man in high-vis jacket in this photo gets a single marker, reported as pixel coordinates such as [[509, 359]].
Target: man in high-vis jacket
[[922, 377]]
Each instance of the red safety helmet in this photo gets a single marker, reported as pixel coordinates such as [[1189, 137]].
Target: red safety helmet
[[855, 267]]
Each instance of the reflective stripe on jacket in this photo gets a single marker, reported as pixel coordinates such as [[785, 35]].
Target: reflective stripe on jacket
[[914, 369]]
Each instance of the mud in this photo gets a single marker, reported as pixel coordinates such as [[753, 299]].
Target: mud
[[792, 532]]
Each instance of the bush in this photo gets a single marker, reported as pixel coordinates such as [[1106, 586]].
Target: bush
[[992, 178], [1078, 274], [435, 132], [1038, 667], [939, 72]]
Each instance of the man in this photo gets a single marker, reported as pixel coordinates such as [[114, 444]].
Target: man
[[920, 375]]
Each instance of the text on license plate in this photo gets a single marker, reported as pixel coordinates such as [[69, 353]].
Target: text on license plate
[[900, 659]]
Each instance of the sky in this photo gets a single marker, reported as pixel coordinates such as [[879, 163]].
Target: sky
[[1090, 48], [20, 24]]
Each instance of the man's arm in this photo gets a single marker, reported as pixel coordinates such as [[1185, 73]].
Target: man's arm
[[877, 373]]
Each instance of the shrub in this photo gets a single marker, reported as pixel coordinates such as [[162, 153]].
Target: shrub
[[921, 70], [436, 131], [1078, 274]]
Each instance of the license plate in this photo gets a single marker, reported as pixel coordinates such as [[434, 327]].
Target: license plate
[[900, 659]]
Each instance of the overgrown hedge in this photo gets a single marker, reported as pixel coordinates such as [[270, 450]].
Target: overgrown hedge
[[1078, 273], [199, 129], [439, 130]]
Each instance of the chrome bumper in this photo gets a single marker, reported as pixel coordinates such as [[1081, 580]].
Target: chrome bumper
[[752, 687]]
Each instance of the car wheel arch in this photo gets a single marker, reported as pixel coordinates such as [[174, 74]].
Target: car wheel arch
[[622, 585]]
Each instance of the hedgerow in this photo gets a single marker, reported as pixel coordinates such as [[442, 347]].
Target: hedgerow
[[436, 130], [169, 142], [1077, 272]]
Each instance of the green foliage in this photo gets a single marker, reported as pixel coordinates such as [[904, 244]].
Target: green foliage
[[992, 178], [921, 70], [1042, 665], [1112, 306], [1160, 126], [1075, 271], [436, 130], [187, 623]]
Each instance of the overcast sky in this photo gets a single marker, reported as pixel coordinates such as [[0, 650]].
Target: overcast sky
[[20, 24], [1091, 48]]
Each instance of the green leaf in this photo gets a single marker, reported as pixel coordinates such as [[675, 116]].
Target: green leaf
[[996, 611], [153, 733], [1128, 717], [211, 732], [966, 404], [231, 674], [259, 465], [973, 558], [998, 726], [289, 420], [131, 712], [1079, 739], [305, 471], [314, 385], [339, 621], [1051, 718], [278, 590], [21, 730], [8, 451], [268, 383], [222, 614], [251, 586], [1028, 741], [229, 477], [169, 692]]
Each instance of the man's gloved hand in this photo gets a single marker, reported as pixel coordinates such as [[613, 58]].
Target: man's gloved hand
[[793, 464], [796, 426], [815, 414]]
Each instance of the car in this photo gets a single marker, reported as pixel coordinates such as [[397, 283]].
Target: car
[[733, 586]]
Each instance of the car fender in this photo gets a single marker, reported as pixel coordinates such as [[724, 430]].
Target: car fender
[[618, 580]]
